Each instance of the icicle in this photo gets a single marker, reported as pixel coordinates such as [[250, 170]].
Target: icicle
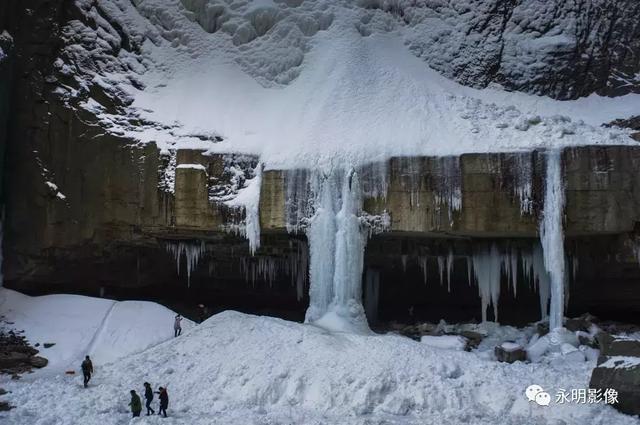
[[449, 269], [487, 265], [552, 236], [423, 266], [470, 270], [372, 294], [301, 270], [636, 249], [541, 279], [441, 264], [403, 258]]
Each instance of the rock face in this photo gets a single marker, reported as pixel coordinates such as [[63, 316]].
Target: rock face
[[619, 368], [560, 49]]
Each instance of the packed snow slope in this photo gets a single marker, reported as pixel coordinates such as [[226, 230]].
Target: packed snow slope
[[240, 369], [315, 83], [78, 326]]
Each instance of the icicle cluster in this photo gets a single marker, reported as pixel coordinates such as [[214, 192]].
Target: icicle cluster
[[523, 182], [246, 202], [488, 264], [268, 269], [448, 184], [192, 252]]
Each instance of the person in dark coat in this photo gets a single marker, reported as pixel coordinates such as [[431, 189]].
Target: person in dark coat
[[136, 405], [148, 396], [164, 401], [177, 327], [203, 312], [87, 370]]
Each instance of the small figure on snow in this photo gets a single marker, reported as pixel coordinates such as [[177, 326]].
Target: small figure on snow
[[164, 401], [177, 328], [203, 312], [136, 405], [148, 396], [87, 370]]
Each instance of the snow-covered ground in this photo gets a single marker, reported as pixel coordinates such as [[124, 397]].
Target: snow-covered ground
[[243, 369]]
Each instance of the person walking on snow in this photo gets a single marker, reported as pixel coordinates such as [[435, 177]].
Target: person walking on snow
[[87, 370], [148, 396], [136, 405], [177, 329], [164, 401]]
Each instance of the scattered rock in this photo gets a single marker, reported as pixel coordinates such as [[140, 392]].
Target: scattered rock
[[12, 359], [542, 328], [510, 352], [49, 344], [473, 339], [16, 355], [39, 362], [5, 407]]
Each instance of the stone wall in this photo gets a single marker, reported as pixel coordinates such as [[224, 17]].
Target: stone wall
[[602, 194]]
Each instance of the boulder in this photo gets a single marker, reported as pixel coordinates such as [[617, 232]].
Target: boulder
[[49, 344], [623, 375], [510, 352], [39, 362]]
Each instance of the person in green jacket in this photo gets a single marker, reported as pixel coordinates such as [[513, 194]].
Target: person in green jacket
[[136, 404]]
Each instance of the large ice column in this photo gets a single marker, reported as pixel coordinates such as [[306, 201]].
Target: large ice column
[[337, 238], [552, 236], [321, 234]]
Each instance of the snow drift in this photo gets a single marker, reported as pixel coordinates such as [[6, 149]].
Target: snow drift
[[104, 329]]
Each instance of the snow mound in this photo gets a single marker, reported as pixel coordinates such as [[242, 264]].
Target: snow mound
[[78, 325], [237, 368]]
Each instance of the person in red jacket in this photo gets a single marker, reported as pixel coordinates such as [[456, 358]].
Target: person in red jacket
[[164, 401]]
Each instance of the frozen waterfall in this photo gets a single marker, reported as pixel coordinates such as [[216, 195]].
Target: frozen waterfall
[[337, 237], [552, 236]]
